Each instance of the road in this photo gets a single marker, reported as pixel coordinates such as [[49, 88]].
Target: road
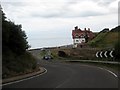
[[69, 75]]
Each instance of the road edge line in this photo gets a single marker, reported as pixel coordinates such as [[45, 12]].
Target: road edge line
[[115, 75], [27, 78]]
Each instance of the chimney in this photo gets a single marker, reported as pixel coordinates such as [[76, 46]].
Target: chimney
[[79, 29], [85, 29], [76, 28], [88, 29]]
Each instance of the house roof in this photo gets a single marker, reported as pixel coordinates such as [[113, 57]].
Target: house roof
[[78, 33]]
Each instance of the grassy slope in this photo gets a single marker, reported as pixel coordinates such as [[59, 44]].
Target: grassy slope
[[16, 65], [110, 39], [103, 40], [75, 54]]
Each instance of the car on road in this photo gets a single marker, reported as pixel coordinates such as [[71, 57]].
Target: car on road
[[47, 57]]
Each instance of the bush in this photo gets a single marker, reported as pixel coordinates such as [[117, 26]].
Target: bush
[[62, 54], [117, 50], [18, 64], [15, 58]]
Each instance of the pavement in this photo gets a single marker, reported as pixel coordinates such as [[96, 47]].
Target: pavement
[[69, 75]]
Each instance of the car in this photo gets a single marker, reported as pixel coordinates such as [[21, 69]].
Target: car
[[47, 57]]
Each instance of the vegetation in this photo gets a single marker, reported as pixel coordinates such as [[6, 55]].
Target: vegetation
[[43, 53], [105, 39], [16, 60], [117, 51], [74, 54], [62, 54], [117, 44], [96, 42]]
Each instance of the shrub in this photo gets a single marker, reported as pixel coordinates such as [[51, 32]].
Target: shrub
[[117, 50], [62, 54]]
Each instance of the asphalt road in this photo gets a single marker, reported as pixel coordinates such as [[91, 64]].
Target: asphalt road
[[69, 75]]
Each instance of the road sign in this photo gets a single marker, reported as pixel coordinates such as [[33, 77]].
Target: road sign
[[111, 54], [97, 54], [105, 54]]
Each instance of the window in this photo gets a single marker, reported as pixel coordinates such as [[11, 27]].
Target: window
[[82, 36], [77, 40], [76, 36], [83, 40]]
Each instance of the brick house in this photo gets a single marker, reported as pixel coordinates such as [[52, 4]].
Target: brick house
[[80, 37]]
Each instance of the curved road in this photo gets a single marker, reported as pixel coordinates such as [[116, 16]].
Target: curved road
[[69, 75]]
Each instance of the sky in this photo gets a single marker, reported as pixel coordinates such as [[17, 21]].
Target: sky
[[49, 23]]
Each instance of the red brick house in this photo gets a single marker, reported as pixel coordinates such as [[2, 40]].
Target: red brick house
[[81, 36]]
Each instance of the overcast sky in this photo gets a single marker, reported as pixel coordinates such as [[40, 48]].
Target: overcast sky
[[49, 23]]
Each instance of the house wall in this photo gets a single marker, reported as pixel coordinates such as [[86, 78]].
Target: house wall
[[77, 41]]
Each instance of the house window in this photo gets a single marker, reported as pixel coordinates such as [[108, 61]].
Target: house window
[[83, 40], [77, 41], [82, 36], [77, 36]]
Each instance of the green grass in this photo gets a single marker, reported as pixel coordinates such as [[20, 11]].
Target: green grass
[[97, 40], [55, 56], [43, 53], [110, 39], [104, 40], [15, 65], [75, 54]]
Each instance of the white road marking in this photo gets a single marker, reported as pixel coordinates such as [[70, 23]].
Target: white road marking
[[24, 79], [89, 66], [109, 72], [102, 69], [59, 85]]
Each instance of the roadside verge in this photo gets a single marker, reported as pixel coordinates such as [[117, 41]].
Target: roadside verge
[[23, 77]]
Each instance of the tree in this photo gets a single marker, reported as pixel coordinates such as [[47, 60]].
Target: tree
[[117, 50], [13, 37], [15, 58], [117, 45]]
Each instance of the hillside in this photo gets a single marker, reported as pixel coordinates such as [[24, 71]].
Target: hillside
[[106, 39], [15, 58], [74, 54]]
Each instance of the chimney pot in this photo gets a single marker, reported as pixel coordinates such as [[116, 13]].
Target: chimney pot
[[76, 28], [88, 29]]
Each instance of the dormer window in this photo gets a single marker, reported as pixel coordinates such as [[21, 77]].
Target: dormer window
[[82, 36], [76, 36]]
